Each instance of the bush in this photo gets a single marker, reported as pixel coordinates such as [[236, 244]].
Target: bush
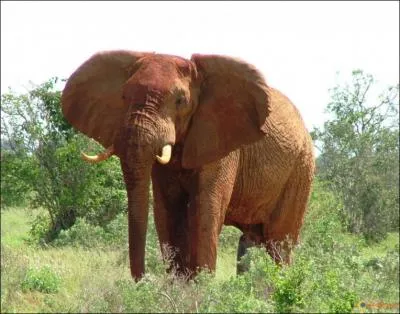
[[86, 235], [249, 292], [42, 280], [323, 224], [330, 261], [229, 238], [288, 292], [94, 192], [236, 295], [81, 234], [40, 229], [137, 297]]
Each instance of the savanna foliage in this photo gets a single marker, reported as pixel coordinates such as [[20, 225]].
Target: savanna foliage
[[66, 250], [87, 270], [359, 157]]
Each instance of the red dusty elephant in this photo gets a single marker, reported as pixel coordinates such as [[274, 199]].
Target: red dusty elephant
[[219, 144]]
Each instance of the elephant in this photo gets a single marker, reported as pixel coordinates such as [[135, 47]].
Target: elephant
[[219, 145]]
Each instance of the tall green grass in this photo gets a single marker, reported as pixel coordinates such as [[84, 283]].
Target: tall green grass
[[86, 270]]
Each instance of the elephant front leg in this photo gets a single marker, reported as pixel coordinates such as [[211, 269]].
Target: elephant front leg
[[209, 200], [204, 226], [171, 218]]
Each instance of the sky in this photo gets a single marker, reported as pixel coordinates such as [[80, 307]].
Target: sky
[[298, 46]]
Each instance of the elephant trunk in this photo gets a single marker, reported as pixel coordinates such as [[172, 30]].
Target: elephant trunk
[[142, 142], [137, 180]]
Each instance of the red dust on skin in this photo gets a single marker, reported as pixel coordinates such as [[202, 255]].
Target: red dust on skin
[[241, 154]]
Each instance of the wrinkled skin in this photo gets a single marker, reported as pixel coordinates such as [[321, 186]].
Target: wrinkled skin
[[241, 154]]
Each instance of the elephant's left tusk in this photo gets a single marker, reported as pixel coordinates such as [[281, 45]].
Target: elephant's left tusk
[[166, 155], [99, 157]]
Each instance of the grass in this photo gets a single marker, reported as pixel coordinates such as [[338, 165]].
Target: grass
[[77, 279], [14, 227], [380, 249], [226, 265], [86, 273], [76, 266]]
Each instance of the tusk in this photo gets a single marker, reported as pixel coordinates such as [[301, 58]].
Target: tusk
[[166, 155], [99, 157]]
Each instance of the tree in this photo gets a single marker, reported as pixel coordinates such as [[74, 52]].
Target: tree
[[360, 155], [42, 158], [16, 170]]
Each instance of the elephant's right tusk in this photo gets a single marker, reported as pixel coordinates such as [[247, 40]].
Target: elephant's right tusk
[[166, 155], [99, 157]]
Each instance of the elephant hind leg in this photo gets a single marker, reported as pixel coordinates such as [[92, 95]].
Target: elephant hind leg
[[283, 228], [252, 236], [244, 244]]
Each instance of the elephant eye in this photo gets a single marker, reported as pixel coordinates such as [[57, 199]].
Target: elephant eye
[[181, 100], [139, 105]]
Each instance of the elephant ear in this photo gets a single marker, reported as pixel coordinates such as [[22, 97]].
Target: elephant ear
[[92, 98], [232, 109]]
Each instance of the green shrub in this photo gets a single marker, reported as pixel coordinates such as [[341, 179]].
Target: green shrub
[[329, 259], [76, 189], [43, 280], [40, 226], [137, 297], [288, 292], [237, 295], [229, 238], [82, 233], [323, 223], [116, 231]]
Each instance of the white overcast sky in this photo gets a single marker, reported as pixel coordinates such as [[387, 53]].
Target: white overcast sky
[[298, 46]]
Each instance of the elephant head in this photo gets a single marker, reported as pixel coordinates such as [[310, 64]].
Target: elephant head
[[139, 106]]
